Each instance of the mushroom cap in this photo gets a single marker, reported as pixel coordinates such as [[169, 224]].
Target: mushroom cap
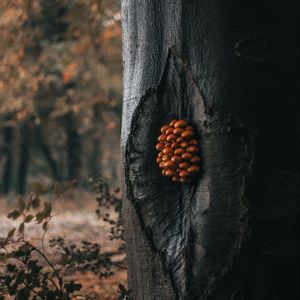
[[178, 148]]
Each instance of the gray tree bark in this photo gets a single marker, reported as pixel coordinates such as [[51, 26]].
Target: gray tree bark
[[230, 68]]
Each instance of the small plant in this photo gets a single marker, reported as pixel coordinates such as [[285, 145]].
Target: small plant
[[28, 271], [108, 200], [88, 257], [124, 293]]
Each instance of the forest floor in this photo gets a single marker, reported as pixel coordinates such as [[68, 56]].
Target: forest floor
[[75, 220]]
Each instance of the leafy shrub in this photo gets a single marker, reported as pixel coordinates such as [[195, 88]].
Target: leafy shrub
[[106, 200], [30, 273]]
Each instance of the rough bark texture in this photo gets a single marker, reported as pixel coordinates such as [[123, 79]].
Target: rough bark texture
[[231, 70]]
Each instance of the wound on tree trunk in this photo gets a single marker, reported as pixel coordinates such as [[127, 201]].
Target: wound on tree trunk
[[174, 216], [178, 151]]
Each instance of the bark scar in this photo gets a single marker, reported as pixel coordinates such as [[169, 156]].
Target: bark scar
[[178, 219]]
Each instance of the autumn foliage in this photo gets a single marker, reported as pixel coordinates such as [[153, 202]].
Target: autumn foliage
[[60, 90]]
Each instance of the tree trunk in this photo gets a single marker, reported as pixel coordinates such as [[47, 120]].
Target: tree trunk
[[230, 69], [8, 133], [25, 141], [96, 136], [45, 149], [73, 146]]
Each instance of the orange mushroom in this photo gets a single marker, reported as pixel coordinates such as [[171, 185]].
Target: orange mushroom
[[180, 123], [178, 151]]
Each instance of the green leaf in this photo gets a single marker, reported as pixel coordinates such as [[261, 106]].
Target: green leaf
[[11, 233], [45, 225], [40, 217], [23, 294], [124, 293], [64, 259], [46, 212], [10, 268], [25, 247], [21, 204], [4, 256], [21, 227], [72, 287], [35, 202], [28, 218], [47, 208], [39, 189], [15, 214]]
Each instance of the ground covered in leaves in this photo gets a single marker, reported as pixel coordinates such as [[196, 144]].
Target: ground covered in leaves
[[76, 224]]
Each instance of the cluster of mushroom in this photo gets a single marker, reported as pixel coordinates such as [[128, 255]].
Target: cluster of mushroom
[[178, 155]]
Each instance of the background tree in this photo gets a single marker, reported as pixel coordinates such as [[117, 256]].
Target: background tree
[[230, 69], [60, 68]]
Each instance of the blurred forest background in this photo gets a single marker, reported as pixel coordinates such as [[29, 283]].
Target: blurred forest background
[[60, 112], [60, 91]]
